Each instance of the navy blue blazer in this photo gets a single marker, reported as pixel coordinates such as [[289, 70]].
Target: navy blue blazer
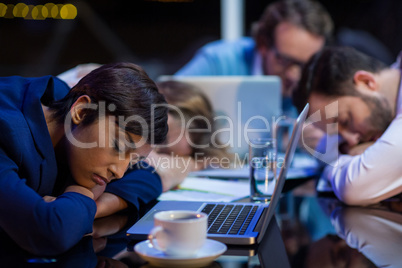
[[28, 171]]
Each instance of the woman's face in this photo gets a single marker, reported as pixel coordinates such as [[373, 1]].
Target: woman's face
[[176, 140], [101, 152]]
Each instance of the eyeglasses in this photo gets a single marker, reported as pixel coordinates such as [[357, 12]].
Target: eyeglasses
[[286, 61]]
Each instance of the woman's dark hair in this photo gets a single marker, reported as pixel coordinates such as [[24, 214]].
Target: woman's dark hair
[[330, 73], [125, 90], [306, 14]]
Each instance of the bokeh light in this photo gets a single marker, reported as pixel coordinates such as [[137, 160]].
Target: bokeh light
[[19, 10], [3, 9], [49, 7], [38, 12], [68, 12]]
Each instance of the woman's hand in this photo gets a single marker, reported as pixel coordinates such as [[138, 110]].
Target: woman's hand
[[108, 204], [93, 193], [98, 190], [49, 198], [174, 168]]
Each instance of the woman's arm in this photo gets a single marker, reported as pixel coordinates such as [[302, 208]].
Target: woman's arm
[[108, 204], [40, 227], [144, 182], [139, 185]]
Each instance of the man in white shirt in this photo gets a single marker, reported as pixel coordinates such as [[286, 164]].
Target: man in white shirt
[[368, 118]]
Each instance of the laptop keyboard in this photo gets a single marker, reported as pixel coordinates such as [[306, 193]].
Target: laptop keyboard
[[229, 219]]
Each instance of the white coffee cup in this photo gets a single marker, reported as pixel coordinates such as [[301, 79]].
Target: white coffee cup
[[179, 232]]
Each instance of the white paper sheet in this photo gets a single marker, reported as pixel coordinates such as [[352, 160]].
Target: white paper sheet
[[204, 189]]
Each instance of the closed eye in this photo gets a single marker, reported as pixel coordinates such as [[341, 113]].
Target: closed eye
[[344, 123], [118, 147]]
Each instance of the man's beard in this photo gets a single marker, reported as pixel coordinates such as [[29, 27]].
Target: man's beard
[[381, 115]]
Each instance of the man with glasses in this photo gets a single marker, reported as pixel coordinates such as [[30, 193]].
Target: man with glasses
[[288, 33]]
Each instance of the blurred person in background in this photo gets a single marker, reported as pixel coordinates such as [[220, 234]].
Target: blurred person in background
[[191, 135], [288, 33]]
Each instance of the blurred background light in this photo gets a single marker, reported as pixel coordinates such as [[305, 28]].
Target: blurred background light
[[159, 35], [3, 9], [38, 12], [68, 12], [49, 7], [54, 11], [171, 1], [45, 12], [29, 15], [19, 9], [9, 12]]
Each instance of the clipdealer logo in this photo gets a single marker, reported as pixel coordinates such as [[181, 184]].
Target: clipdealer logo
[[327, 150]]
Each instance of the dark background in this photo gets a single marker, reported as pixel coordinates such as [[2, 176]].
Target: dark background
[[160, 36]]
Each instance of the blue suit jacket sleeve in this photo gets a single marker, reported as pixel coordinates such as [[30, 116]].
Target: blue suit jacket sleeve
[[28, 171], [140, 185], [35, 225]]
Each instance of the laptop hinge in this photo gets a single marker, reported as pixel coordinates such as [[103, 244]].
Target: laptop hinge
[[257, 228]]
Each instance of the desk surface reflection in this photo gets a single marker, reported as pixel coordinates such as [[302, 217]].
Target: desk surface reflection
[[307, 231]]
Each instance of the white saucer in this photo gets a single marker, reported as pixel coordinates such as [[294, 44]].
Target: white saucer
[[209, 252]]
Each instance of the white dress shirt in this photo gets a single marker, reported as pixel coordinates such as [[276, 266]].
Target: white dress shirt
[[374, 175]]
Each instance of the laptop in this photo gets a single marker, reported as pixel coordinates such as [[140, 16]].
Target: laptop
[[244, 106], [246, 228]]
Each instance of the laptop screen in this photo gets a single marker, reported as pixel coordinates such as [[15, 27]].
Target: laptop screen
[[290, 151]]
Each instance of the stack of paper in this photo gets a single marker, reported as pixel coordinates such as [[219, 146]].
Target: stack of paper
[[205, 189]]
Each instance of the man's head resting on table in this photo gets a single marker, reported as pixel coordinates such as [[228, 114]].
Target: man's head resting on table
[[350, 90]]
